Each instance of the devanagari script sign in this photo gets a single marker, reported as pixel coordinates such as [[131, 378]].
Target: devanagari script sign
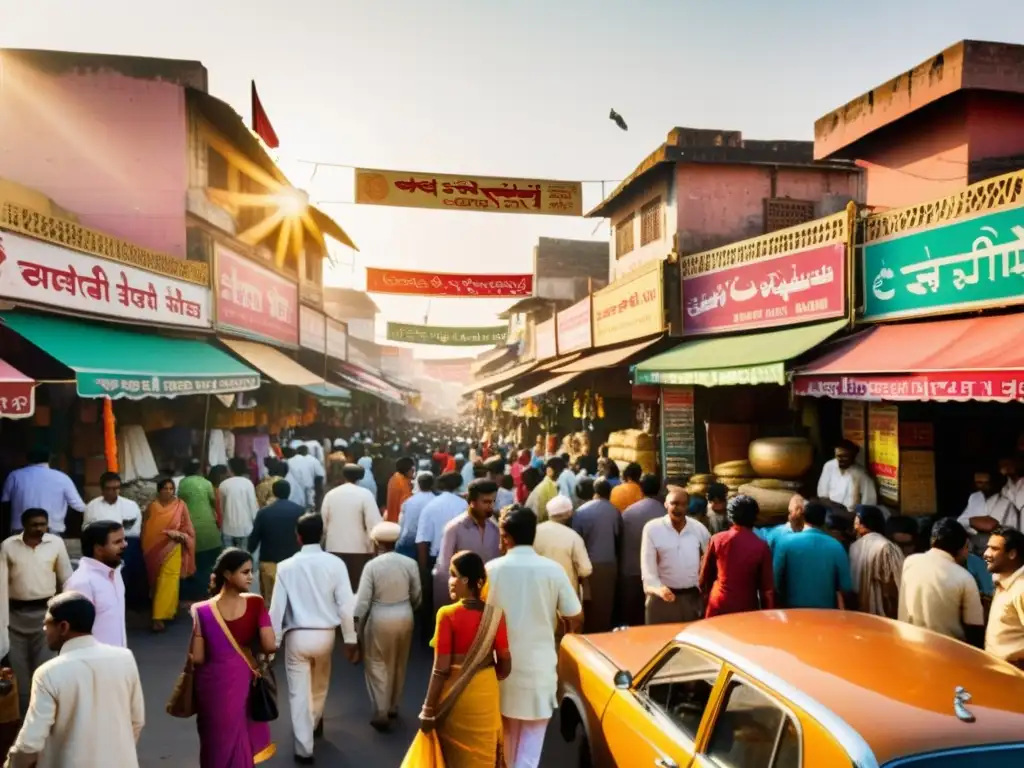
[[41, 273], [405, 283], [447, 336], [964, 265], [439, 191], [255, 302]]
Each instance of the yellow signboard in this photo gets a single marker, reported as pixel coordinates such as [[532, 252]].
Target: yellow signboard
[[630, 308], [408, 189], [884, 449]]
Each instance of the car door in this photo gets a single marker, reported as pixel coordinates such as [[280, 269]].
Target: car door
[[655, 722], [749, 728]]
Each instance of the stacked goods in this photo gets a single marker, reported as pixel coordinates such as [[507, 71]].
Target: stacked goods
[[777, 485], [733, 474], [576, 444], [773, 503], [698, 485], [631, 445]]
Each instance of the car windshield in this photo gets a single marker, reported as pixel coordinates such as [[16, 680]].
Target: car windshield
[[977, 757]]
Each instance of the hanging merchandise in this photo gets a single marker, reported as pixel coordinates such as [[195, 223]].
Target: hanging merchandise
[[109, 435], [135, 457]]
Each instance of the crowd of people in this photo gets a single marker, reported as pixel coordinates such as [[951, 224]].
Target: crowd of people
[[493, 550]]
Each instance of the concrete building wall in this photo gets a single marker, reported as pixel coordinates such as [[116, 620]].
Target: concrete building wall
[[631, 203]]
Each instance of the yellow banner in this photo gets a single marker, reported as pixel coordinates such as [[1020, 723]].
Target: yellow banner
[[630, 308], [407, 189]]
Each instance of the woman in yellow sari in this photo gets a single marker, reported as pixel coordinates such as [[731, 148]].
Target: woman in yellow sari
[[461, 719], [169, 548]]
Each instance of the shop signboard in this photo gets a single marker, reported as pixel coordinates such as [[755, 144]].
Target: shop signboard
[[791, 288], [255, 302], [573, 327], [854, 427], [545, 345], [41, 273], [447, 336], [401, 282], [137, 386], [942, 386], [678, 436], [630, 308], [312, 330], [966, 264], [337, 339], [884, 449]]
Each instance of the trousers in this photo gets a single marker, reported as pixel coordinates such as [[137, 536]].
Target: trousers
[[268, 576], [307, 664], [28, 649], [523, 741]]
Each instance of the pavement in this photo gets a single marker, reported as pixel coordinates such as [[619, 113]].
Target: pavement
[[348, 742]]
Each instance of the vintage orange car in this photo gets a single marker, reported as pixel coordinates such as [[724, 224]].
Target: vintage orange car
[[788, 689]]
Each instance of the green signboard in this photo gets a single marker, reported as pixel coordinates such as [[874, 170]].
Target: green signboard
[[963, 265], [135, 386], [447, 336]]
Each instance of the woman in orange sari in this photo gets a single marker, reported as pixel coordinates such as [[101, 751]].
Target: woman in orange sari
[[169, 548], [470, 657]]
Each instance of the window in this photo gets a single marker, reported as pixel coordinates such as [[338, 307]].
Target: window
[[624, 236], [650, 222], [681, 686], [781, 212], [752, 731]]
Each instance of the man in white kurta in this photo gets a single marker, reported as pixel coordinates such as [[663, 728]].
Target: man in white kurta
[[844, 482], [86, 707], [532, 591]]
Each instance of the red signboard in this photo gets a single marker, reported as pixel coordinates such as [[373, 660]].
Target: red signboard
[[255, 302], [405, 283], [783, 290], [17, 393], [959, 386]]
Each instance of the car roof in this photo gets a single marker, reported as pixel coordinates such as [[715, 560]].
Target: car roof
[[879, 685]]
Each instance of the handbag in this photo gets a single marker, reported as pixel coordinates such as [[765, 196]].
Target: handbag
[[263, 688], [182, 702]]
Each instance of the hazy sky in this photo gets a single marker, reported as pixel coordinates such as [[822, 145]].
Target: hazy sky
[[509, 89]]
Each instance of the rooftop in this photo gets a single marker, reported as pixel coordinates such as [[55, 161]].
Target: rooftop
[[354, 304], [695, 145], [967, 65]]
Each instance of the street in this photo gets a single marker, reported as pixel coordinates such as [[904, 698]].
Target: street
[[348, 738]]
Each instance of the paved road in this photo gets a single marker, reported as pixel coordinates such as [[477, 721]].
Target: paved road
[[348, 739]]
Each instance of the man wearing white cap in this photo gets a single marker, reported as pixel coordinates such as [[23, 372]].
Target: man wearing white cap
[[389, 594], [557, 541]]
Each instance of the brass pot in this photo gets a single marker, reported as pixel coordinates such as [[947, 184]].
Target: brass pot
[[783, 458]]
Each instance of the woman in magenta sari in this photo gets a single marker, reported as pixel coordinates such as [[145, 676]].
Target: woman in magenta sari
[[227, 628]]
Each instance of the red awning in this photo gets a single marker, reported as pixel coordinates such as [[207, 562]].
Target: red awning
[[17, 393], [974, 358], [363, 380]]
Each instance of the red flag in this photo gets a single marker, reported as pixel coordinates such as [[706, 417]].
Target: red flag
[[261, 123]]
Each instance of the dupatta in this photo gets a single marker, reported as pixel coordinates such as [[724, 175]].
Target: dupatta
[[157, 547]]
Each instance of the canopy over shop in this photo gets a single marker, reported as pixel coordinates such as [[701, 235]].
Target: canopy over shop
[[17, 393]]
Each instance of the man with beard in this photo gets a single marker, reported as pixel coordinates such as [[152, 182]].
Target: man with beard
[[98, 577], [1004, 635], [844, 482]]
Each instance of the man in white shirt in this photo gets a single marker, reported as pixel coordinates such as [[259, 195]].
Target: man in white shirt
[[557, 541], [312, 598], [350, 512], [844, 481], [938, 593], [38, 486], [238, 508], [670, 554], [1013, 470], [86, 706], [532, 591], [496, 472], [307, 472], [114, 507], [98, 577], [987, 509], [34, 565]]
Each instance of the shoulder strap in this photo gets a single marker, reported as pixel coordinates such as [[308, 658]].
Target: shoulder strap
[[479, 652], [231, 638]]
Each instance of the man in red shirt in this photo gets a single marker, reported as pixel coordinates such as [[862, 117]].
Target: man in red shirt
[[736, 575]]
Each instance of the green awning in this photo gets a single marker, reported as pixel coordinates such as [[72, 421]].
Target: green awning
[[328, 393], [752, 358], [114, 361]]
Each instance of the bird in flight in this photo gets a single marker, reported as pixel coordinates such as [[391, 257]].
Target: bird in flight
[[616, 118]]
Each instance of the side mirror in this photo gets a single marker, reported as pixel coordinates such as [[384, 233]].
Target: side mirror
[[623, 680]]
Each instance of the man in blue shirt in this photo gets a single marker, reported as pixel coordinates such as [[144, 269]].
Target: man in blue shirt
[[812, 570], [409, 519]]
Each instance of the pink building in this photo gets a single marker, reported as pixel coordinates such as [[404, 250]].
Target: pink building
[[706, 188], [954, 119]]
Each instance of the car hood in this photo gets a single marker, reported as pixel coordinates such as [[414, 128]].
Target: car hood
[[631, 648]]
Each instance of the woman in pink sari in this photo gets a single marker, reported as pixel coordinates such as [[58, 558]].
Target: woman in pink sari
[[227, 628], [169, 549], [518, 467]]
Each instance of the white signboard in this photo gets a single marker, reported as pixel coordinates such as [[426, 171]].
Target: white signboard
[[337, 339], [312, 330], [46, 274]]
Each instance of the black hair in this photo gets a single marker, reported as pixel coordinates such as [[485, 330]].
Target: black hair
[[531, 478], [194, 467], [239, 467], [898, 524], [302, 450], [611, 470], [949, 536], [96, 534], [470, 566], [353, 473], [507, 482], [556, 465], [815, 514], [108, 477], [633, 471], [218, 473], [1014, 539], [717, 492], [73, 609], [743, 511], [449, 482], [425, 482], [287, 451], [230, 560], [404, 465], [39, 455], [282, 489], [495, 465], [603, 488], [650, 485], [848, 445], [28, 514], [479, 471], [162, 481], [838, 523], [871, 517], [585, 488], [280, 468], [520, 525], [310, 528], [481, 487]]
